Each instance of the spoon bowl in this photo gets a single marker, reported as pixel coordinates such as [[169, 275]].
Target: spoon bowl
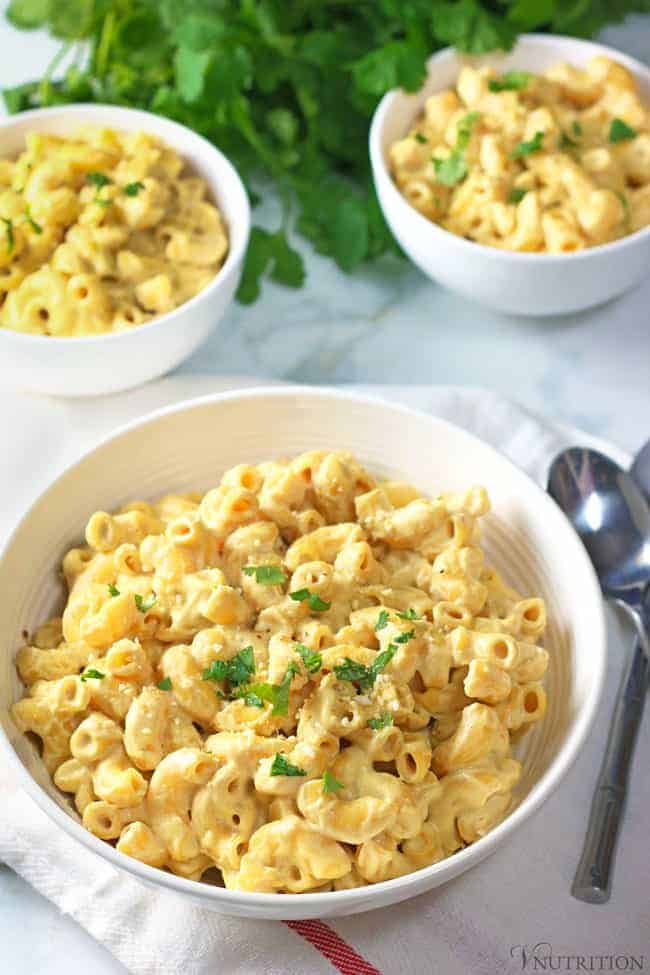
[[610, 515]]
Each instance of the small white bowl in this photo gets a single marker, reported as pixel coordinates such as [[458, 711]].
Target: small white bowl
[[518, 283], [115, 361], [178, 449]]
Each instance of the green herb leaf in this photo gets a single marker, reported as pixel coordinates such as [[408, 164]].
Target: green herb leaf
[[620, 131], [410, 614], [144, 603], [576, 128], [132, 189], [314, 601], [405, 637], [382, 620], [253, 700], [237, 670], [364, 676], [422, 139], [510, 81], [92, 674], [165, 684], [281, 697], [464, 129], [282, 766], [98, 179], [266, 575], [113, 590], [526, 148], [313, 661], [451, 170], [9, 233], [36, 227], [269, 253], [516, 194], [330, 784], [383, 721]]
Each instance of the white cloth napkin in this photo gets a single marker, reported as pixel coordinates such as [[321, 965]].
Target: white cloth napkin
[[481, 923]]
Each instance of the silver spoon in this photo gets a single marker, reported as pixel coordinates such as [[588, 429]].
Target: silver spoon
[[612, 519]]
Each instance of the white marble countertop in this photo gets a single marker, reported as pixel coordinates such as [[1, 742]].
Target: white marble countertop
[[386, 325]]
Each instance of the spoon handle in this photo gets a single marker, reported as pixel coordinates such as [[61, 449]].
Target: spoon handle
[[593, 879]]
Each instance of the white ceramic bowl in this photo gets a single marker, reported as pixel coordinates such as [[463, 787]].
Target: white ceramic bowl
[[523, 284], [189, 446], [116, 361]]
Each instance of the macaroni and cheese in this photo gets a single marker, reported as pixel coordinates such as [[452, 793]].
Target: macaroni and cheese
[[303, 678], [100, 232], [549, 163]]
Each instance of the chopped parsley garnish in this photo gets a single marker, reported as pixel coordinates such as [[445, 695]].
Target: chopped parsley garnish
[[625, 203], [132, 189], [453, 169], [510, 81], [576, 128], [315, 603], [330, 784], [619, 131], [566, 142], [275, 694], [364, 676], [516, 194], [409, 614], [313, 661], [282, 766], [36, 227], [422, 139], [382, 620], [384, 720], [237, 670], [405, 637], [144, 603], [92, 674], [113, 590], [267, 575], [165, 684], [253, 700], [99, 181], [527, 148], [9, 233]]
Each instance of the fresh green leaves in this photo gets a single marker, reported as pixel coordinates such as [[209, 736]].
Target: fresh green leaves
[[405, 637], [286, 90], [237, 670], [313, 600], [313, 661], [9, 234], [510, 81], [272, 254], [275, 694], [620, 131], [113, 590], [330, 784], [266, 575], [384, 720], [92, 674], [453, 169], [382, 620], [516, 194], [408, 614], [422, 139], [36, 227], [362, 675], [526, 148], [99, 181], [282, 766], [132, 189], [144, 603], [165, 684]]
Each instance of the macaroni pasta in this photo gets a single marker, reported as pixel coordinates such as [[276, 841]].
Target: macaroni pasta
[[101, 232], [550, 163], [303, 678]]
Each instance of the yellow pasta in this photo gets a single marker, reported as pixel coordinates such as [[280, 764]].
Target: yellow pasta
[[302, 703], [548, 163], [102, 231]]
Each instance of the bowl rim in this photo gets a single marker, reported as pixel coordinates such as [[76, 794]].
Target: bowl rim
[[468, 856], [381, 171], [232, 181]]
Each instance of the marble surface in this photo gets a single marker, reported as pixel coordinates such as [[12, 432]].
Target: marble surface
[[385, 325]]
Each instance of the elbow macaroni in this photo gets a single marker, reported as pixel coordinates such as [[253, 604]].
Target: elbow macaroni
[[303, 678], [101, 232], [549, 163]]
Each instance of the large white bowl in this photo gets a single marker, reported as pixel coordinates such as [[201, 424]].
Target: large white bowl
[[119, 360], [523, 284], [189, 446]]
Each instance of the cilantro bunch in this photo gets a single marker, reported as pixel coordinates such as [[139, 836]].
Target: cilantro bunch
[[285, 88]]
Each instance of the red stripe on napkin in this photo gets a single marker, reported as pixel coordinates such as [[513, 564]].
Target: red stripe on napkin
[[336, 950]]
